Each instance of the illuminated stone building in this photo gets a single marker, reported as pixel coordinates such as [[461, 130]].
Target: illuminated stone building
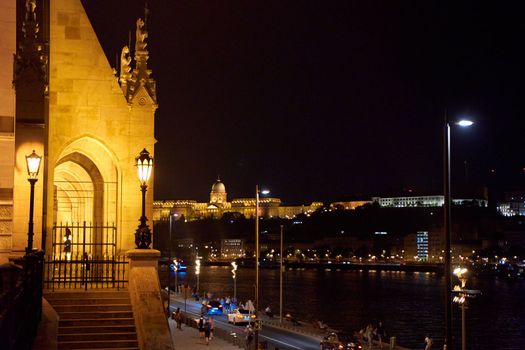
[[218, 205], [64, 101]]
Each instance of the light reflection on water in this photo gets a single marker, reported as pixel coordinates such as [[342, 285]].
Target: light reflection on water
[[410, 304]]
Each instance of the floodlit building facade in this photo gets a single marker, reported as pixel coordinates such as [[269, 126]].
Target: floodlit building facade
[[424, 201], [218, 205], [64, 100]]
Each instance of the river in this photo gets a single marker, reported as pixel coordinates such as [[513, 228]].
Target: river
[[410, 304]]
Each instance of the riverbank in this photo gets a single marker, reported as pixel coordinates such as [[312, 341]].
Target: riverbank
[[338, 266]]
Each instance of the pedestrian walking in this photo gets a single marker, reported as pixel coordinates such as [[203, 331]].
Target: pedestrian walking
[[207, 332], [227, 304], [249, 337], [179, 318], [369, 335], [381, 334], [212, 326], [428, 343], [200, 325]]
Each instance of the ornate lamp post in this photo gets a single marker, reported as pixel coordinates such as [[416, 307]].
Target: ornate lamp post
[[461, 298], [197, 271], [144, 165], [446, 225], [234, 275], [33, 166]]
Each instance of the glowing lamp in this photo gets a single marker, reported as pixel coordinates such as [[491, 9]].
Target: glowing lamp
[[465, 123], [265, 192], [33, 164], [144, 165]]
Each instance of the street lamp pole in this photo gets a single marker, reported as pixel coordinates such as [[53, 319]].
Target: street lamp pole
[[448, 344], [197, 272], [281, 280], [256, 335], [256, 248], [257, 192], [446, 225], [169, 265], [234, 276], [144, 166], [33, 166]]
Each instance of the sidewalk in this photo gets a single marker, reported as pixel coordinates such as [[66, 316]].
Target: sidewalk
[[188, 338]]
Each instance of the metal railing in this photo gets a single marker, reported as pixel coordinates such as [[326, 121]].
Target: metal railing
[[20, 301], [79, 238], [85, 271]]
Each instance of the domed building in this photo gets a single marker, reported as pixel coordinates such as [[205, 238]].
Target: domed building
[[218, 193], [218, 205]]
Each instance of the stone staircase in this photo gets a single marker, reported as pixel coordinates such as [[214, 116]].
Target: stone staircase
[[95, 319]]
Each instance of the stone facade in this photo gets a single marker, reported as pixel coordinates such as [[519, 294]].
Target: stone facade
[[88, 124]]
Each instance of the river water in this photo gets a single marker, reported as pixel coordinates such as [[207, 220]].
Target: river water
[[410, 304]]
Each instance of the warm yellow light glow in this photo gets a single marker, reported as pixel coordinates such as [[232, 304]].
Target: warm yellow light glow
[[33, 164], [144, 166]]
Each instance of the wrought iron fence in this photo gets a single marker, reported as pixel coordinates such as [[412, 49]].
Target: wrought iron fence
[[20, 301], [79, 238], [86, 271]]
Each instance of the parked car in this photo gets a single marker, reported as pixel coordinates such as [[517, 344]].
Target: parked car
[[213, 307], [241, 316], [340, 341]]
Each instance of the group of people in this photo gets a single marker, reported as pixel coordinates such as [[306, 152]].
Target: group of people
[[371, 332], [178, 316], [205, 327]]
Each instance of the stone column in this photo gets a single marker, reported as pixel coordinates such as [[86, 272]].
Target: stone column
[[148, 307]]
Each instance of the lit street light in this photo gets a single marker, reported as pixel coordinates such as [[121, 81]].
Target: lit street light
[[257, 193], [234, 275], [33, 166], [446, 224], [169, 265], [144, 165], [461, 298], [197, 272], [281, 280]]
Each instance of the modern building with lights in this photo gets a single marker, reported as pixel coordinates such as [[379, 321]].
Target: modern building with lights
[[218, 205], [424, 201]]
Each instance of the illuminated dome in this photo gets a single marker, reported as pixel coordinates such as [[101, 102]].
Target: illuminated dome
[[218, 193], [218, 187]]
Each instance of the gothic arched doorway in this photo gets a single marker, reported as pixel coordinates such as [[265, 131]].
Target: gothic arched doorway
[[85, 201]]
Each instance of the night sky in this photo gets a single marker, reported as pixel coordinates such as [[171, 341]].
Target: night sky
[[317, 100]]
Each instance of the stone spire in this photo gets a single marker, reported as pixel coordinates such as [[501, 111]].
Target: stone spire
[[139, 81], [30, 57]]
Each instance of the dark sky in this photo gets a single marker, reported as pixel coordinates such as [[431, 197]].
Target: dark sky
[[317, 99]]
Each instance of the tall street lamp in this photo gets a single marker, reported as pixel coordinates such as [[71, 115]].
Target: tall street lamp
[[446, 225], [257, 193], [461, 298], [144, 165], [33, 166], [234, 275], [281, 280], [197, 272], [169, 266]]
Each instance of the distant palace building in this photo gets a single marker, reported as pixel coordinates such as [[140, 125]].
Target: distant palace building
[[424, 201], [513, 204], [218, 205]]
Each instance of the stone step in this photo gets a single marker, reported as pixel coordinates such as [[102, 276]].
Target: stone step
[[97, 329], [67, 301], [91, 307], [103, 344], [96, 336], [78, 294], [95, 315], [97, 322]]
